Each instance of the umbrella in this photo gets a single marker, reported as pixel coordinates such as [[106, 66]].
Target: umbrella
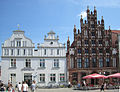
[[116, 75], [94, 76]]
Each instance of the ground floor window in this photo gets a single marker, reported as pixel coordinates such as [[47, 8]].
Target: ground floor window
[[52, 78], [62, 77], [42, 77]]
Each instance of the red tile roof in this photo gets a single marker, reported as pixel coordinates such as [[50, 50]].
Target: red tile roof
[[116, 31]]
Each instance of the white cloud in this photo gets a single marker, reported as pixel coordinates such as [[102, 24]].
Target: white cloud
[[97, 3], [83, 13]]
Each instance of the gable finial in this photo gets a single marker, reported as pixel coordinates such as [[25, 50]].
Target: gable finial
[[18, 25]]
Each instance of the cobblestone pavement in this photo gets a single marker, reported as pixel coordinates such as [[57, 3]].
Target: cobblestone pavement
[[71, 90]]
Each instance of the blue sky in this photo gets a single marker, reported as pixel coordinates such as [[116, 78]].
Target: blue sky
[[38, 17]]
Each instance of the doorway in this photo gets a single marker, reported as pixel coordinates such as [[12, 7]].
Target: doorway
[[28, 78]]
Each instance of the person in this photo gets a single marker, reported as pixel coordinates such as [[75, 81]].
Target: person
[[24, 87], [78, 85], [33, 86], [19, 87], [11, 89], [2, 88], [102, 87]]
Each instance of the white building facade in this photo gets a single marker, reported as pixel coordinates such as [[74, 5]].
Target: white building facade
[[21, 62]]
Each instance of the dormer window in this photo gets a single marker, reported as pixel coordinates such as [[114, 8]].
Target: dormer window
[[18, 43]]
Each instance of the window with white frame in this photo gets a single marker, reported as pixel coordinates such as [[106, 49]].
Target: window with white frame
[[62, 77], [42, 77], [42, 62], [11, 51], [12, 43], [6, 51], [24, 43], [52, 77], [24, 51], [18, 44], [57, 51], [30, 52], [13, 63], [18, 51], [56, 63], [44, 51], [28, 63], [51, 51]]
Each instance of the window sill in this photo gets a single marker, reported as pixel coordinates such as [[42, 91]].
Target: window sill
[[54, 68], [42, 82], [12, 67], [41, 67], [27, 69]]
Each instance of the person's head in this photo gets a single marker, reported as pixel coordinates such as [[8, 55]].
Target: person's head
[[10, 85]]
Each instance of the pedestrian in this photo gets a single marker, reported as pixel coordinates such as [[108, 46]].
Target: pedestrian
[[11, 89], [33, 86], [2, 88], [19, 87], [24, 87], [102, 87]]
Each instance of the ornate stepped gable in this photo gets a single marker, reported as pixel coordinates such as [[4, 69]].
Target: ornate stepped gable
[[92, 47]]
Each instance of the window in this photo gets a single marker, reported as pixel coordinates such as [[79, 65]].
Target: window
[[100, 50], [42, 77], [85, 33], [93, 41], [79, 51], [18, 51], [86, 62], [44, 51], [24, 43], [86, 50], [107, 62], [100, 41], [99, 33], [106, 43], [100, 62], [24, 51], [18, 43], [93, 33], [62, 77], [114, 62], [13, 63], [94, 63], [56, 63], [51, 51], [30, 52], [52, 78], [86, 42], [28, 63], [42, 62], [11, 51], [93, 50], [71, 62], [57, 51], [107, 51], [6, 51], [79, 63], [12, 43]]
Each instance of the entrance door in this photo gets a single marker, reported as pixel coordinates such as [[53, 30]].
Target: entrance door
[[28, 78]]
